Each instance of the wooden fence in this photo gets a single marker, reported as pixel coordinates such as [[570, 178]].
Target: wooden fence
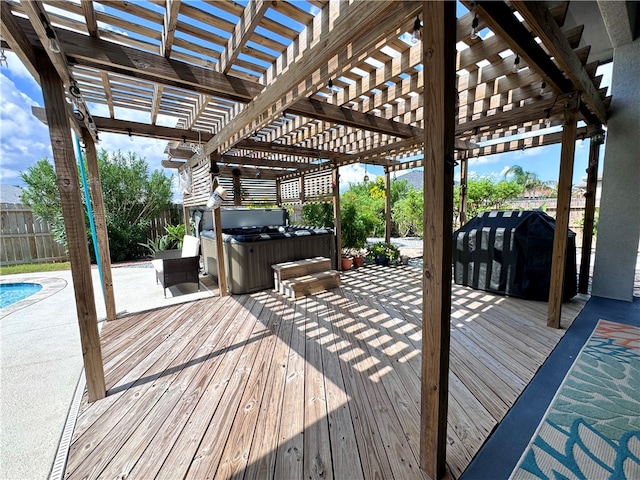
[[25, 239]]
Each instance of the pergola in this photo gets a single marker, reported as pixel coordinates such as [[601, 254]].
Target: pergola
[[285, 92]]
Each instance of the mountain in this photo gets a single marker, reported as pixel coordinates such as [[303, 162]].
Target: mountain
[[414, 178]]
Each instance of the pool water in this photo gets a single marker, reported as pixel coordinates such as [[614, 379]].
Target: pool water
[[11, 293]]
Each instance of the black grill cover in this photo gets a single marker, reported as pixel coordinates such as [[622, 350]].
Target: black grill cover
[[510, 252]]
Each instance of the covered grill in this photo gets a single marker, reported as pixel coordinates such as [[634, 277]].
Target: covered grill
[[510, 252]]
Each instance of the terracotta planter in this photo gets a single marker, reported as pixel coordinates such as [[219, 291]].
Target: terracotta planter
[[347, 263], [358, 260]]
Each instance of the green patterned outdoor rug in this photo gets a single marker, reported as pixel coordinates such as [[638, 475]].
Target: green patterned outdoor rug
[[592, 427]]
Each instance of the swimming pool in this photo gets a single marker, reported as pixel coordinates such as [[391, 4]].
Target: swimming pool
[[11, 293]]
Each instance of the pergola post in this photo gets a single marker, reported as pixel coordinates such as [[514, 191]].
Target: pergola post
[[335, 183], [73, 214], [97, 200], [589, 214], [237, 190], [278, 192], [438, 57], [387, 205], [217, 226], [464, 178], [558, 259]]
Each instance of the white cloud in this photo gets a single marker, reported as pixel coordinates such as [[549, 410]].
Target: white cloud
[[352, 174], [17, 69], [23, 138]]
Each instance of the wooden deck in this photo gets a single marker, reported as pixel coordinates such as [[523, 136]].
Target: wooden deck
[[258, 386]]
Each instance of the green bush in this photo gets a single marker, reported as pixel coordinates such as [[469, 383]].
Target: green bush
[[318, 214], [383, 250], [132, 197]]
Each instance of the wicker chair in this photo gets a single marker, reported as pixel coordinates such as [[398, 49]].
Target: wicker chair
[[178, 266]]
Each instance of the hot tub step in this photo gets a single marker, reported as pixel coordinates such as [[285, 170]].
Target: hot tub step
[[298, 268], [306, 285]]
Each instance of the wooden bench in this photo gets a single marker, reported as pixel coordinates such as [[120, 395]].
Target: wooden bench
[[304, 277]]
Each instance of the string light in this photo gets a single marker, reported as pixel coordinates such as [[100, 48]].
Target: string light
[[3, 58], [547, 118], [516, 64], [416, 36], [331, 88], [598, 136], [543, 87], [54, 46], [130, 135], [474, 28]]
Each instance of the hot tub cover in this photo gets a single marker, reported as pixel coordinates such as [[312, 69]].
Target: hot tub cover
[[510, 252]]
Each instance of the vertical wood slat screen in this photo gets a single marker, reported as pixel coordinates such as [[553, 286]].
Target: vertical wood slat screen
[[200, 185], [317, 186], [290, 191]]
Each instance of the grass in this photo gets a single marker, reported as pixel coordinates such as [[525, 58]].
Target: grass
[[34, 267]]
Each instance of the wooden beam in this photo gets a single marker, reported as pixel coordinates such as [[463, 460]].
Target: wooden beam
[[515, 116], [97, 201], [337, 32], [113, 125], [170, 22], [589, 215], [43, 29], [291, 150], [503, 23], [155, 102], [544, 26], [112, 57], [352, 118], [261, 162], [18, 40], [90, 18], [439, 55], [39, 18], [107, 93], [247, 23], [73, 213], [559, 254]]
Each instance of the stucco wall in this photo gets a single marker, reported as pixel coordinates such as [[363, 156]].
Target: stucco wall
[[619, 222]]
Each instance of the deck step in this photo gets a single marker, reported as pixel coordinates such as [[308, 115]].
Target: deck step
[[298, 268], [308, 284]]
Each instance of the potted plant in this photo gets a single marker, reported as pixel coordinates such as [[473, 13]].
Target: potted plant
[[346, 260], [383, 253], [354, 233], [358, 257], [172, 240]]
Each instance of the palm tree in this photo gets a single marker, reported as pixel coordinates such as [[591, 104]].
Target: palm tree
[[529, 181]]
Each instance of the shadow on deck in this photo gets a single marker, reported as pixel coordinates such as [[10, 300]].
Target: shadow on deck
[[258, 386]]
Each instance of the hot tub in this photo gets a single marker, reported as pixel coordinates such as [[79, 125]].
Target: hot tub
[[249, 251]]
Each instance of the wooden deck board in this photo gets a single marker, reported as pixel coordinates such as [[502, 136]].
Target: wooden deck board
[[327, 386]]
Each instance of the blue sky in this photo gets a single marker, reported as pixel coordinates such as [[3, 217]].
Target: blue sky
[[24, 139]]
